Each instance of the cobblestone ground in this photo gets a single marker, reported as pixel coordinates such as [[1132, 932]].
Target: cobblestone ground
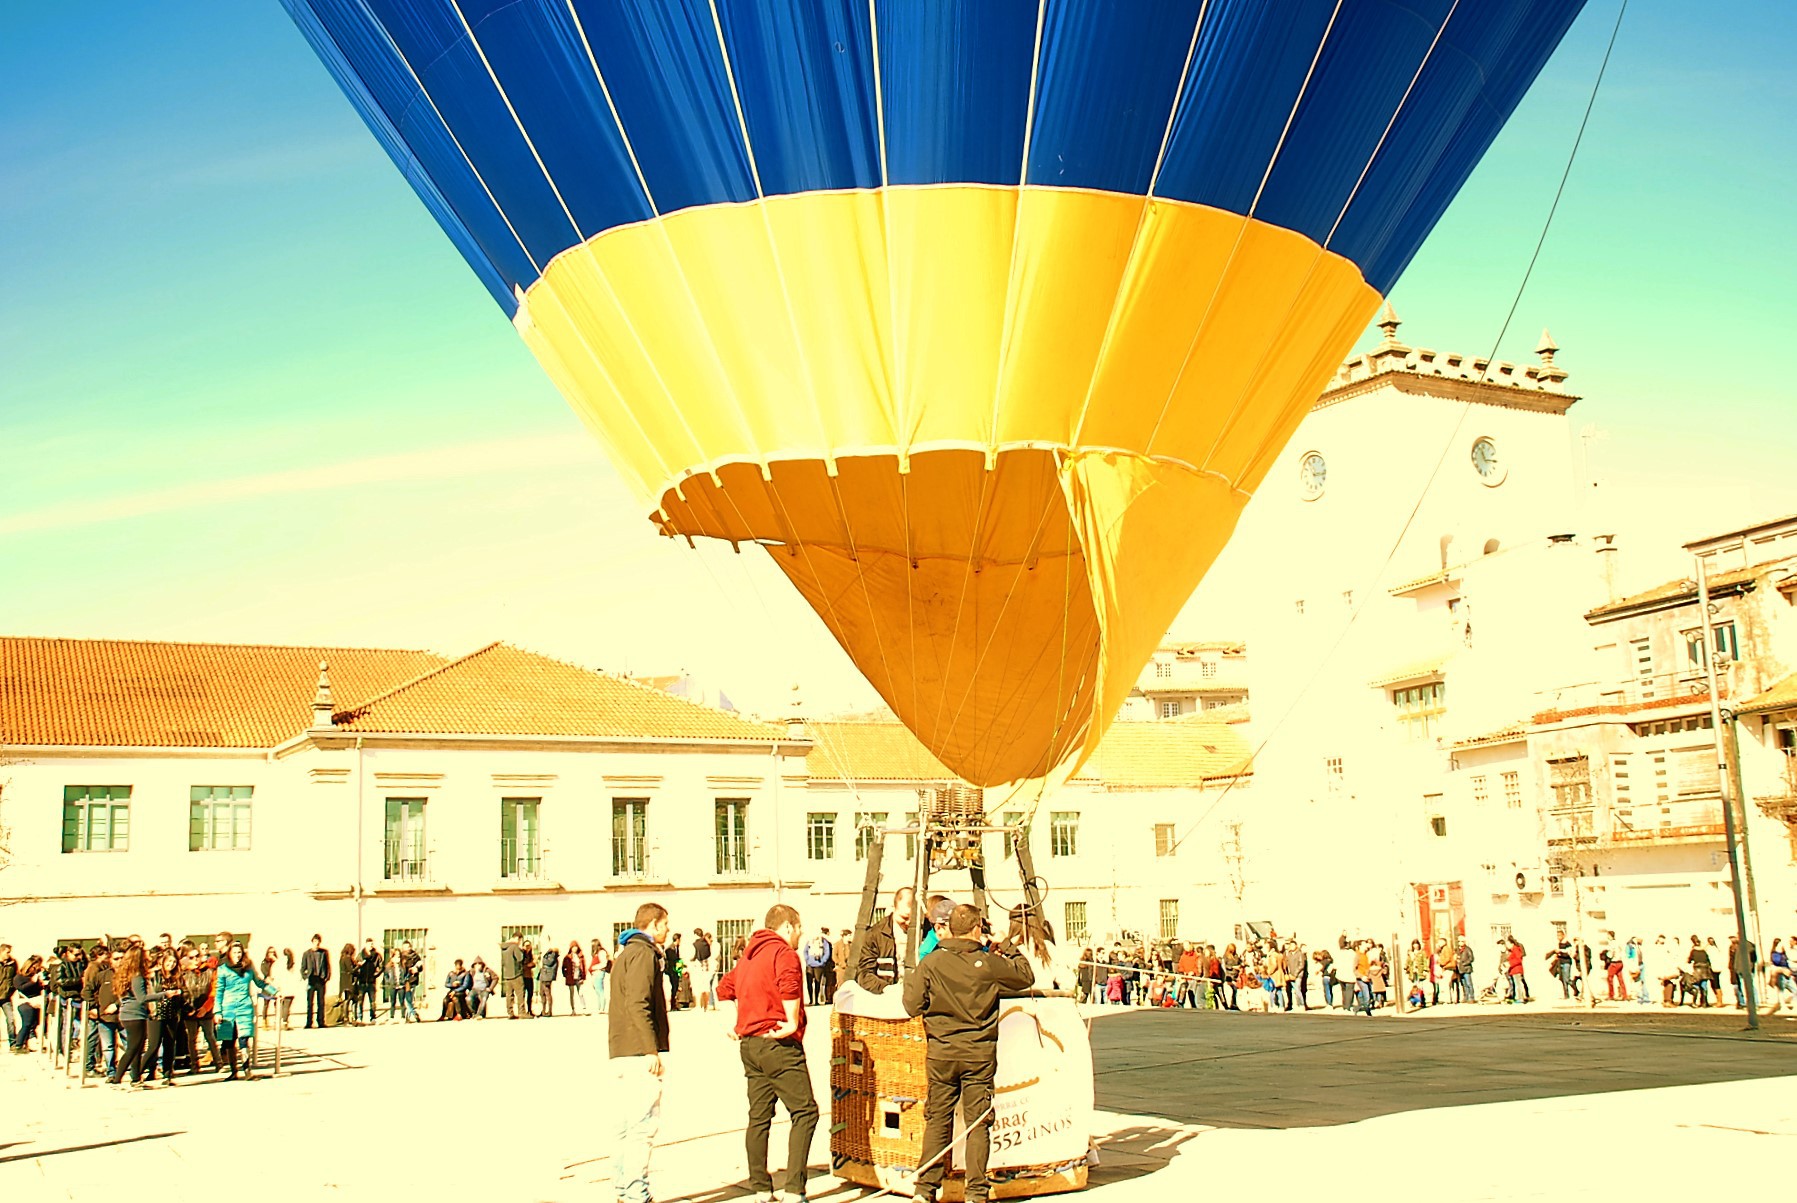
[[1469, 1103]]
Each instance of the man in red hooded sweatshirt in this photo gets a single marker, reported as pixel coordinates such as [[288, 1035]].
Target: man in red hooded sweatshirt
[[768, 987]]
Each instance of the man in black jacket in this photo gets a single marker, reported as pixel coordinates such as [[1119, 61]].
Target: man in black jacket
[[315, 967], [9, 972], [957, 989], [639, 1035], [368, 975], [880, 950]]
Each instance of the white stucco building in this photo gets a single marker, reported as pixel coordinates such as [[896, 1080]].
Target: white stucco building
[[193, 788]]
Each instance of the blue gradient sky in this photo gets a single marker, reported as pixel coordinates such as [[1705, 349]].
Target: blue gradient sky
[[250, 392]]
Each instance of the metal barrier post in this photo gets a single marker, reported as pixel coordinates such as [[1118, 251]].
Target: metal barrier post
[[87, 1030], [280, 1031]]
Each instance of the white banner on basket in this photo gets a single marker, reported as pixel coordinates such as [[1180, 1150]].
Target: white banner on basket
[[1042, 1103]]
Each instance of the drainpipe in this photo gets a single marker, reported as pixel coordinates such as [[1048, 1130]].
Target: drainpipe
[[361, 841]]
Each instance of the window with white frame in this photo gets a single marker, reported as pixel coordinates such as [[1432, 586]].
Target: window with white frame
[[1512, 789], [1073, 920], [1165, 841], [1170, 709], [630, 837], [1208, 669], [520, 838], [1162, 669], [729, 931], [1727, 647], [1332, 776], [868, 824], [1419, 709], [1169, 918], [1012, 818], [1480, 794], [403, 846], [218, 818], [732, 815], [820, 836], [1063, 833], [96, 818]]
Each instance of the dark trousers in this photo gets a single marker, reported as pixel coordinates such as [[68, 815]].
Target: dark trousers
[[315, 989], [775, 1071], [969, 1084], [143, 1038], [547, 994], [196, 1029]]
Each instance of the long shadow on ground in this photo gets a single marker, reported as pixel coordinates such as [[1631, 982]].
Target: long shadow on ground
[[1292, 1071]]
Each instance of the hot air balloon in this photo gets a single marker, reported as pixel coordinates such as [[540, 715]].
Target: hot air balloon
[[985, 318]]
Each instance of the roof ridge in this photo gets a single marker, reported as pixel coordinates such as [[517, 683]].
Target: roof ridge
[[273, 647], [361, 707]]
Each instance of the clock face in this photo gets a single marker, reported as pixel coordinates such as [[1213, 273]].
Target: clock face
[[1491, 470], [1312, 471]]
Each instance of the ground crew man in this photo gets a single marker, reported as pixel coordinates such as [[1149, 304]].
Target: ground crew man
[[878, 953], [957, 990]]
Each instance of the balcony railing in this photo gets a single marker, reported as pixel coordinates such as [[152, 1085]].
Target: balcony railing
[[1665, 823], [407, 870], [632, 868], [1686, 686], [521, 861]]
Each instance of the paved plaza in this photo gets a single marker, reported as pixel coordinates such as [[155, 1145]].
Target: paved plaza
[[1471, 1103]]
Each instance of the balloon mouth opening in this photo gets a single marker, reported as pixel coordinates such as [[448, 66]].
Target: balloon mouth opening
[[958, 585]]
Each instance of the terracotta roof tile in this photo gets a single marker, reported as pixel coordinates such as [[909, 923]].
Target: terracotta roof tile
[[1782, 696], [126, 693], [870, 751], [1685, 588], [1169, 754], [1165, 753], [504, 690]]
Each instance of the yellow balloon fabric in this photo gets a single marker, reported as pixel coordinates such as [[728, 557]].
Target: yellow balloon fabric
[[994, 435]]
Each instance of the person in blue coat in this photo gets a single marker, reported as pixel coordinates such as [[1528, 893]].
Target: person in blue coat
[[234, 1004]]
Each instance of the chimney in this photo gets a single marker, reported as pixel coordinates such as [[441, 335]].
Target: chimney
[[1606, 560], [322, 707], [795, 721]]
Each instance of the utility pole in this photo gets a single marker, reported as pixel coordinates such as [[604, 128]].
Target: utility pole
[[1725, 783]]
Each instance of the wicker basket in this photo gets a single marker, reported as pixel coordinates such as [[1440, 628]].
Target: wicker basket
[[877, 1091]]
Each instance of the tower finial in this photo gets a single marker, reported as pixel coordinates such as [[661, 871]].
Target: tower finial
[[322, 707], [1389, 323], [1548, 372]]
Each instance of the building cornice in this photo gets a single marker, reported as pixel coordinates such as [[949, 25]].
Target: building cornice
[[1448, 388], [336, 741]]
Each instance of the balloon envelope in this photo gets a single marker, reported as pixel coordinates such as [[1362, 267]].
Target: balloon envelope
[[985, 318]]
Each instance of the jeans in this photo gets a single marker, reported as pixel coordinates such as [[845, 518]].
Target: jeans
[[1641, 976], [1364, 993], [402, 998], [102, 1047], [968, 1083], [1564, 973], [68, 1023], [1519, 988], [315, 988], [636, 1103], [601, 983], [1328, 989], [28, 1016], [573, 998], [12, 1019], [775, 1071]]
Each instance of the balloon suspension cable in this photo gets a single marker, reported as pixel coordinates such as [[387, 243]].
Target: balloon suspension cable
[[1447, 446]]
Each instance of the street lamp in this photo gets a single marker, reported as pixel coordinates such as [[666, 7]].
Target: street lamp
[[1725, 784]]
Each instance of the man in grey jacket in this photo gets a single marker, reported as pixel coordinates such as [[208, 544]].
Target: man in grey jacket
[[511, 978], [638, 1020]]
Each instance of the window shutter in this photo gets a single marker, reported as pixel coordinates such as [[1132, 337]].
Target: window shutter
[[71, 826], [196, 826]]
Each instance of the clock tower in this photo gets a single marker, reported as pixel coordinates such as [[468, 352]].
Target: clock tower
[[1411, 581]]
